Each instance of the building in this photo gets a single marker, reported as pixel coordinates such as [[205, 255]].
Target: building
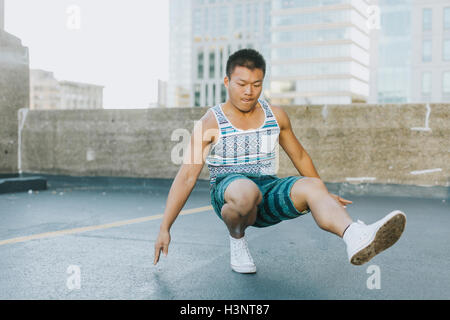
[[180, 44], [393, 68], [202, 36], [76, 95], [46, 92], [219, 29], [430, 63], [320, 52], [414, 52], [316, 51]]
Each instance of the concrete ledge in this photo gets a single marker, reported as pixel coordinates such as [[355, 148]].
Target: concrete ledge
[[65, 181], [389, 144], [390, 190], [22, 184]]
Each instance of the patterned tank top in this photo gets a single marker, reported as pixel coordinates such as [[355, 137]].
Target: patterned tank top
[[244, 151]]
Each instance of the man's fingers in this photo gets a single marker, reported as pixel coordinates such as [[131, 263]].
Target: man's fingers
[[157, 251], [345, 200], [341, 201], [164, 249]]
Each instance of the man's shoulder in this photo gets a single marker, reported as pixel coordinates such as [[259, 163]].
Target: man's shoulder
[[209, 120], [281, 115]]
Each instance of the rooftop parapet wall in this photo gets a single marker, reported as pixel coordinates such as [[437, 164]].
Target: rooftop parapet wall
[[14, 94], [386, 144]]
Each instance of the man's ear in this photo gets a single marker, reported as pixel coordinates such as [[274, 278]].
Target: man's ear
[[226, 81]]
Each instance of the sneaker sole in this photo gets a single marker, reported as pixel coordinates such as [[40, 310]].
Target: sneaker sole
[[386, 236], [243, 269]]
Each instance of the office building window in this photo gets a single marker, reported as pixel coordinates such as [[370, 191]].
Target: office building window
[[200, 65], [446, 50], [212, 62], [426, 50], [214, 93], [223, 93], [426, 83], [197, 95], [447, 18], [197, 22], [206, 95], [446, 83], [426, 19]]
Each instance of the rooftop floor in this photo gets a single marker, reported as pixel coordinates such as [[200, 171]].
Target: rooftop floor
[[101, 233]]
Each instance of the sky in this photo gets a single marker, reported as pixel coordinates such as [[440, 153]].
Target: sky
[[121, 45]]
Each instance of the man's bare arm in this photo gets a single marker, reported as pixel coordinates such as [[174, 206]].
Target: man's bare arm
[[293, 148], [184, 181], [298, 155]]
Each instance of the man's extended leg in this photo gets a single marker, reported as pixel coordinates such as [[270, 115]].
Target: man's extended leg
[[363, 241], [326, 211]]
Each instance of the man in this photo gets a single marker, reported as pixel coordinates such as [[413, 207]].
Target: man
[[239, 138]]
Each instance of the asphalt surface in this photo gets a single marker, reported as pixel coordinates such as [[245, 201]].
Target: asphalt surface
[[295, 259]]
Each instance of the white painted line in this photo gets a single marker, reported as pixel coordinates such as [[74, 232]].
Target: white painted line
[[98, 227], [426, 171], [427, 118], [361, 179], [22, 115]]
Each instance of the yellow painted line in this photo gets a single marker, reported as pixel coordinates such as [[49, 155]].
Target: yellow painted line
[[98, 227]]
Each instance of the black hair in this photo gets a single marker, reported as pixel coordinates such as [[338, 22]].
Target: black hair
[[248, 58]]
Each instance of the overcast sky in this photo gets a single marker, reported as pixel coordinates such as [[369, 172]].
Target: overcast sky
[[122, 45]]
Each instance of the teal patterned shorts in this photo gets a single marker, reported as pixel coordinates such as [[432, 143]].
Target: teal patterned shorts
[[276, 204]]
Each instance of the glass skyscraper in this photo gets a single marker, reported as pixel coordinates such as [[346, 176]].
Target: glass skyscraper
[[393, 83], [430, 51], [320, 52], [414, 51]]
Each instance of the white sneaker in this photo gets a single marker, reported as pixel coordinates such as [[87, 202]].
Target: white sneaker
[[241, 259], [365, 241]]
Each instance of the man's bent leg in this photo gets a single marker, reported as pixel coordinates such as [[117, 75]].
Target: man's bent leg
[[242, 197], [326, 211]]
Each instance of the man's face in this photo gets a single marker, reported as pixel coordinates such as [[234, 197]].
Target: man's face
[[244, 87]]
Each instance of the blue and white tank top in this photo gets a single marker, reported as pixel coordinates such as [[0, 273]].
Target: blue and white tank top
[[244, 151]]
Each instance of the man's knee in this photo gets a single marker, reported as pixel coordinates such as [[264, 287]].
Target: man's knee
[[306, 185], [303, 188], [243, 195]]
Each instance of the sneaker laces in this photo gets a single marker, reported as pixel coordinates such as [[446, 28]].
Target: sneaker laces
[[240, 248]]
